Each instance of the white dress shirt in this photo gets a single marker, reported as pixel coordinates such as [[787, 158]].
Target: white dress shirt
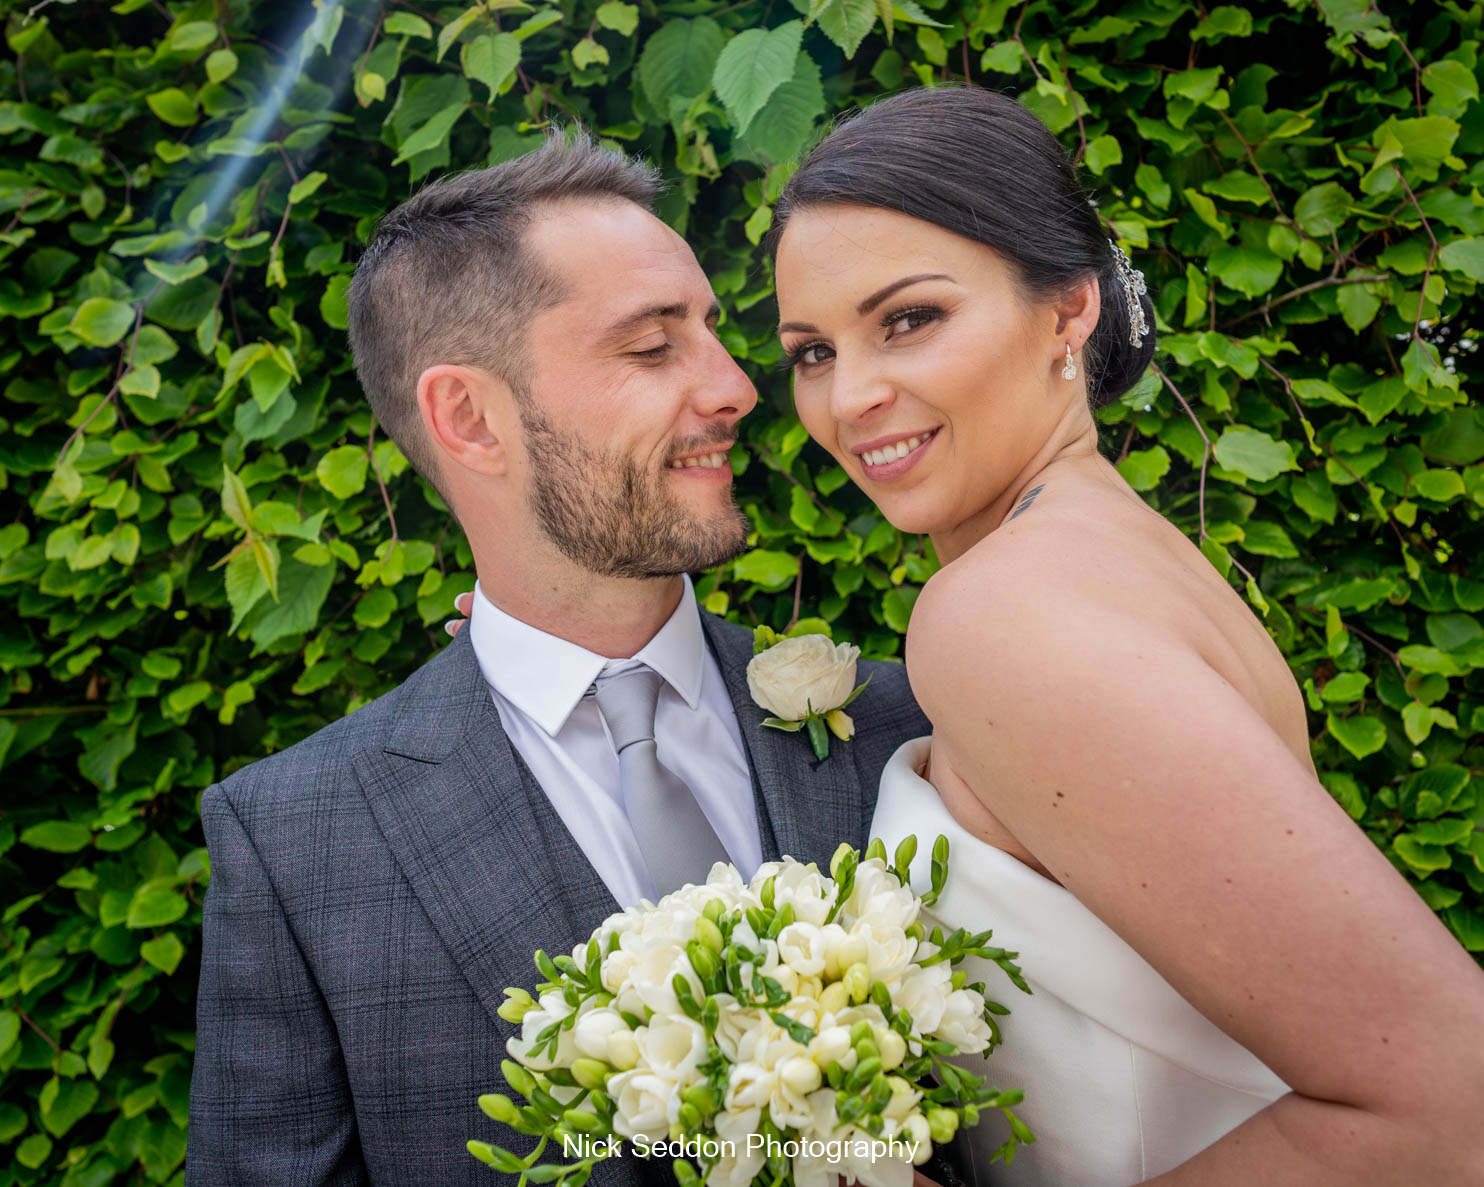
[[539, 684]]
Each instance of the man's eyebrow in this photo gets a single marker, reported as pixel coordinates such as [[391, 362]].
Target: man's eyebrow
[[870, 302], [666, 311]]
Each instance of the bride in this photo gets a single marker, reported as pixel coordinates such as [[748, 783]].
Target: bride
[[1231, 984]]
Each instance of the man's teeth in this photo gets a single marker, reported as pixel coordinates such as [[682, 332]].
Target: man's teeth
[[709, 461], [890, 453]]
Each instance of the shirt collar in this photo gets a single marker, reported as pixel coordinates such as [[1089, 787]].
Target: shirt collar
[[544, 675]]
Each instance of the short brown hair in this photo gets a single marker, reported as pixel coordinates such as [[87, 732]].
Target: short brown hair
[[447, 277]]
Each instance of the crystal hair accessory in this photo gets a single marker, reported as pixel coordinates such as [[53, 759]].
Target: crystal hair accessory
[[1133, 288]]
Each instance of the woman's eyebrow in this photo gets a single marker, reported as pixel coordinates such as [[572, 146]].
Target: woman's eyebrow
[[870, 302]]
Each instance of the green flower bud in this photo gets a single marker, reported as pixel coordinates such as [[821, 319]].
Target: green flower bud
[[865, 1071], [590, 1073], [582, 1121], [971, 1115], [857, 981], [867, 1049], [702, 959], [482, 1151], [517, 1004], [893, 1049], [841, 850], [715, 909], [861, 1031], [499, 1108], [959, 979], [943, 1124], [709, 934], [701, 1098], [690, 1117], [877, 848], [517, 1077]]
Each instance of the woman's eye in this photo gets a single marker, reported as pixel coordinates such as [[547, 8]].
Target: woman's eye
[[904, 320], [810, 355]]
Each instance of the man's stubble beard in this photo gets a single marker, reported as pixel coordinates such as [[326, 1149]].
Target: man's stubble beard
[[603, 511]]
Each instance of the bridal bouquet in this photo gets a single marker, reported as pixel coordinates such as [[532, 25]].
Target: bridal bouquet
[[790, 1031]]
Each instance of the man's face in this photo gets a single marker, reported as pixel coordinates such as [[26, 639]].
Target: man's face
[[632, 402]]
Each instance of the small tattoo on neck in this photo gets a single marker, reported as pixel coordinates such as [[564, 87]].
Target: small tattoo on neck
[[1025, 503]]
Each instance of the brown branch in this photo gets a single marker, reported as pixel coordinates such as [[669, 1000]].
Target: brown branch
[[798, 596], [26, 1018], [1432, 255], [1072, 95], [1327, 282], [385, 498], [1015, 37], [1199, 428]]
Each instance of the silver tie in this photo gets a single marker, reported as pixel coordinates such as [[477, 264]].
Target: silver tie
[[677, 841]]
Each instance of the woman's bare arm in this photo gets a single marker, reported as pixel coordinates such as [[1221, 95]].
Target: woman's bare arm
[[1152, 790]]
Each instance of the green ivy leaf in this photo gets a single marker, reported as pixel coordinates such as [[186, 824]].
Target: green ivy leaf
[[846, 22], [101, 321], [752, 66], [342, 471], [173, 106], [1252, 453], [771, 570], [492, 59], [679, 59], [164, 952], [618, 16], [58, 836], [1143, 468], [1360, 735]]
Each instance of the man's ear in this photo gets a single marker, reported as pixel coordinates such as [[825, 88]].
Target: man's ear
[[1077, 313], [468, 414]]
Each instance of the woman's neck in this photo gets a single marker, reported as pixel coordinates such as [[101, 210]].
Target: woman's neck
[[1072, 445]]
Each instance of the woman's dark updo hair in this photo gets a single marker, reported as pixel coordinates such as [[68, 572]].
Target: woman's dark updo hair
[[978, 164]]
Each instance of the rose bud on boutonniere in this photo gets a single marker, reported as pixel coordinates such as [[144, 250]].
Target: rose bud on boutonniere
[[805, 681]]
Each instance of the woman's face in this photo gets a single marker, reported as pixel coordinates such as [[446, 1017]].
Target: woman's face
[[917, 362]]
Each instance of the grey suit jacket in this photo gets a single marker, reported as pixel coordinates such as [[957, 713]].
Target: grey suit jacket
[[374, 889]]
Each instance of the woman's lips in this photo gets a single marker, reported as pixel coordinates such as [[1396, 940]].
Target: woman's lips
[[883, 470]]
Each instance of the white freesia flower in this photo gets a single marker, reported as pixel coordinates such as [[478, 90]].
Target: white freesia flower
[[963, 1022], [549, 1008], [889, 950], [733, 1023], [877, 897], [801, 675], [915, 1130], [644, 1103], [924, 993], [810, 892], [832, 1045], [738, 1166], [802, 947], [671, 1047], [653, 975], [594, 1029], [749, 1086]]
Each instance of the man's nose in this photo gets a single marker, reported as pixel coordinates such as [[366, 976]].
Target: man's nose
[[723, 388]]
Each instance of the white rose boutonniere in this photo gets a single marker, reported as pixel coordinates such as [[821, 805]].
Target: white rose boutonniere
[[805, 682]]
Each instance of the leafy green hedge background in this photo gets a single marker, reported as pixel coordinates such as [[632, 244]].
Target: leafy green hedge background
[[208, 551]]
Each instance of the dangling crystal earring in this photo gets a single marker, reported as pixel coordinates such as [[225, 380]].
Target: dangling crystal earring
[[1070, 370]]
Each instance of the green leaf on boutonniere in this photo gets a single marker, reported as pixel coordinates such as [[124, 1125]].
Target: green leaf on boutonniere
[[819, 737], [778, 723]]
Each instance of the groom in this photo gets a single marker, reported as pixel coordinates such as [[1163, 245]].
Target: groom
[[542, 349]]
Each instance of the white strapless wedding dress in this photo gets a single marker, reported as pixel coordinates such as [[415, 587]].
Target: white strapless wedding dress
[[1124, 1079]]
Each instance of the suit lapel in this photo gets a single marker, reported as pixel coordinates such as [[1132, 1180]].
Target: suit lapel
[[805, 807], [487, 855]]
